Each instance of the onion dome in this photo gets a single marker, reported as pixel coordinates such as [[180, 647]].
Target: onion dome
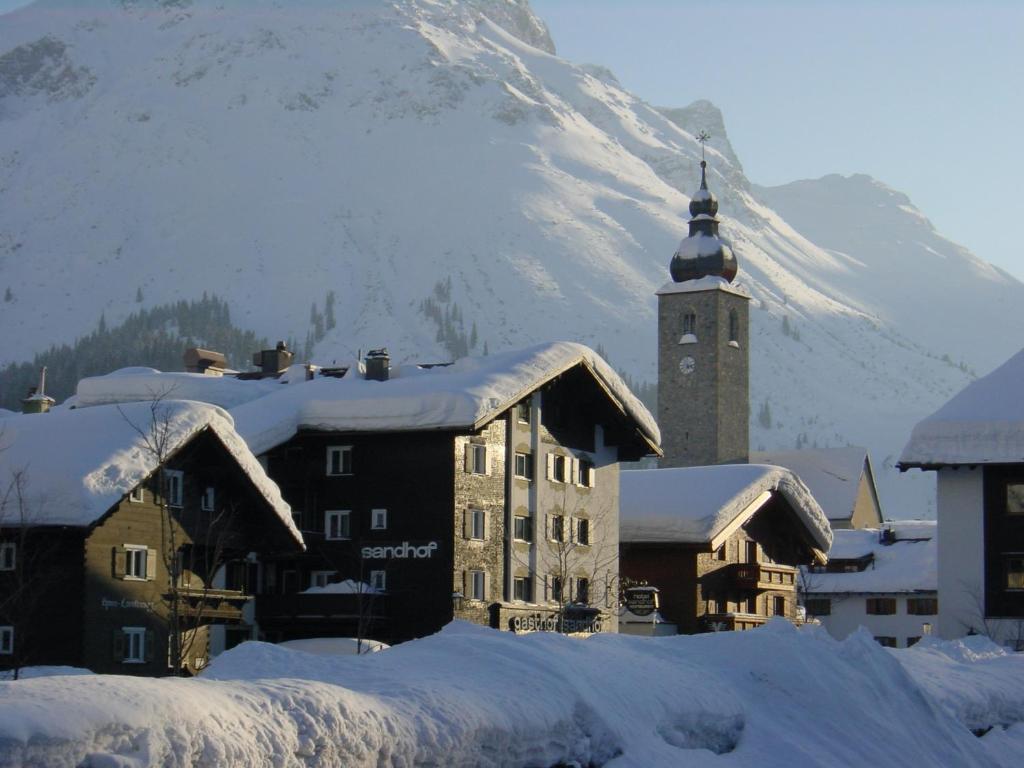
[[703, 253]]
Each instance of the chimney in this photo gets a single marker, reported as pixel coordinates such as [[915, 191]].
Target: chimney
[[37, 400], [273, 361], [378, 364], [199, 360]]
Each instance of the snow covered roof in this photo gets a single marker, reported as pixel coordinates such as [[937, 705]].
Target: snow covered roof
[[982, 424], [708, 283], [78, 463], [903, 566], [832, 474], [464, 395], [704, 505]]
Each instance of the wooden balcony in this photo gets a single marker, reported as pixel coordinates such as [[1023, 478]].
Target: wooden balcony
[[213, 606], [732, 622], [763, 576]]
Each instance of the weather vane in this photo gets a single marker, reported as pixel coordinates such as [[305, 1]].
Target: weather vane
[[702, 137]]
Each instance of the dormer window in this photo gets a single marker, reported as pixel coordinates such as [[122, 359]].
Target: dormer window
[[689, 330]]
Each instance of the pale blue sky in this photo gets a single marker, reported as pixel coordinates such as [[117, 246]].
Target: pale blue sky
[[925, 95]]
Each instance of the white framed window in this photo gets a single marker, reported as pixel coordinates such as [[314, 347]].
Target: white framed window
[[339, 460], [556, 528], [478, 459], [523, 411], [560, 468], [524, 466], [174, 481], [209, 500], [581, 530], [477, 583], [522, 589], [134, 645], [321, 578], [6, 640], [139, 562], [337, 524], [378, 519], [556, 589], [137, 495], [522, 528], [476, 524], [583, 591], [379, 580], [8, 555], [585, 473]]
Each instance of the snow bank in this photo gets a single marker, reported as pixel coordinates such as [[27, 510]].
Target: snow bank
[[473, 696], [334, 646], [695, 504], [77, 463]]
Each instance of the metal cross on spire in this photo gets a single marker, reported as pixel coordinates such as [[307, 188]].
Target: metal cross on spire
[[703, 137]]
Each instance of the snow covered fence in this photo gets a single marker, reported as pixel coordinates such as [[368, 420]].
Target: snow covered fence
[[470, 696]]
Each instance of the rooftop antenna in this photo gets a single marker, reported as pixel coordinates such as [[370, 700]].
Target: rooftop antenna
[[703, 137]]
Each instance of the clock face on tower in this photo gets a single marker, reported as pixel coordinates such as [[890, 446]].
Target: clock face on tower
[[687, 365]]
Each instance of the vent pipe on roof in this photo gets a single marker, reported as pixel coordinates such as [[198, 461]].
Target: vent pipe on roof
[[378, 364], [38, 401]]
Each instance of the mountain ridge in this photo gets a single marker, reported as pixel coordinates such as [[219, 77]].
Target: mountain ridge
[[274, 155]]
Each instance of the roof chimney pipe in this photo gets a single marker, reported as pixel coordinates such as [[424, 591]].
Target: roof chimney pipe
[[38, 401]]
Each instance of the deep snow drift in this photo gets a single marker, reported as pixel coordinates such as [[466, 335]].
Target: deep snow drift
[[470, 696]]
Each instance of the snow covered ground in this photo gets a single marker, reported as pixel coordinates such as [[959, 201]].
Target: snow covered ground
[[471, 696]]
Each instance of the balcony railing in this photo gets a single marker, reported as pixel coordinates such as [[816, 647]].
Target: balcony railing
[[763, 576], [212, 605]]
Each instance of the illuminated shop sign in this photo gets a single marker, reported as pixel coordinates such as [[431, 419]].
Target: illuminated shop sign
[[403, 551]]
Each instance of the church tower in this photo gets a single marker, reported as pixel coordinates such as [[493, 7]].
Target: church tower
[[703, 347]]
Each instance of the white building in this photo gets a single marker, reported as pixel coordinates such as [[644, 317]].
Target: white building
[[975, 444], [884, 579]]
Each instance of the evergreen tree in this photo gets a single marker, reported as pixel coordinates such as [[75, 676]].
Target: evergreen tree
[[138, 295]]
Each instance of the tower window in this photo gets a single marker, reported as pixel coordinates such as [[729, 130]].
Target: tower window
[[734, 327], [690, 323]]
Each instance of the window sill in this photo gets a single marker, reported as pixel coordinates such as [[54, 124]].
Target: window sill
[[734, 344], [337, 538], [339, 474], [133, 661], [134, 578]]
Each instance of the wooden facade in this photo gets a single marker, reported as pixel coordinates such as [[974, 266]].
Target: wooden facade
[[751, 577], [102, 596], [431, 516]]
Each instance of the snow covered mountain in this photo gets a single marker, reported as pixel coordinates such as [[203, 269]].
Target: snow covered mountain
[[273, 152]]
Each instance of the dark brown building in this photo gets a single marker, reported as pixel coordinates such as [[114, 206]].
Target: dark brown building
[[486, 491], [723, 544], [127, 536]]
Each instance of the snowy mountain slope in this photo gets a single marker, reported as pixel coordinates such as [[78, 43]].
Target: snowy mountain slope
[[272, 152]]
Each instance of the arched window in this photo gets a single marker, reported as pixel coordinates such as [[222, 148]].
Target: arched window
[[690, 323], [734, 326]]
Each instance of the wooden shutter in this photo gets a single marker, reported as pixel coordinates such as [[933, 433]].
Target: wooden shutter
[[467, 524], [551, 466], [487, 459], [150, 564], [118, 648], [487, 523], [591, 475], [117, 562], [574, 469], [487, 586], [468, 466], [150, 641]]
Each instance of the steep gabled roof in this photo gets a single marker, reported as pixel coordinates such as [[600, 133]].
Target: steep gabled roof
[[982, 424], [465, 395], [705, 505], [75, 464], [832, 474]]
